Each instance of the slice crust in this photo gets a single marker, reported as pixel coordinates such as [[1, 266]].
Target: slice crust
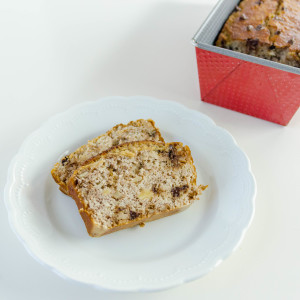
[[134, 183], [133, 131]]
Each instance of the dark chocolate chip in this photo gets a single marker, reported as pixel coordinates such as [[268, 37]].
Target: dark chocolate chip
[[243, 17], [252, 44], [176, 190], [154, 188], [184, 187], [259, 27], [291, 41], [277, 32], [64, 160], [110, 167], [272, 47], [172, 153], [76, 181], [133, 215], [259, 2]]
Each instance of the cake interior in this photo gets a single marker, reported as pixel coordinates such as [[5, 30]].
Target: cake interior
[[135, 131], [131, 184]]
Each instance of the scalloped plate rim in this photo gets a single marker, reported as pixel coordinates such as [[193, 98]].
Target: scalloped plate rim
[[11, 180]]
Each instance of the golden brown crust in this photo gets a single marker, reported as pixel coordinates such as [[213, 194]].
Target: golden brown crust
[[84, 213], [54, 172], [55, 175], [95, 230], [248, 22], [264, 28], [286, 23]]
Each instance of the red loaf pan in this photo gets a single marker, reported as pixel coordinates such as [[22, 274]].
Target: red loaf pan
[[240, 82]]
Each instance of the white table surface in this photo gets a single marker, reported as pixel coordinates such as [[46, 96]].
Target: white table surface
[[58, 53]]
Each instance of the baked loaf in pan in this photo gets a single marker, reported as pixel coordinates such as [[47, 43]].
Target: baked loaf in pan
[[268, 29], [134, 183], [139, 130]]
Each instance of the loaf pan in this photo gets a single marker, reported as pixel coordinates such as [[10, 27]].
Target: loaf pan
[[254, 86]]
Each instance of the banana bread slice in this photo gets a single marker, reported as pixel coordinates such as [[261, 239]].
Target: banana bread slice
[[134, 131], [264, 28], [134, 183]]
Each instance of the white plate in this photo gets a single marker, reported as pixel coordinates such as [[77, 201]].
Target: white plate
[[164, 253]]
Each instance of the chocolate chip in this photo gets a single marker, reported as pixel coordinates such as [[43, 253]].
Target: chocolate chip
[[133, 215], [172, 153], [152, 134], [259, 27], [243, 17], [176, 190], [76, 181], [259, 2], [110, 167], [250, 27], [277, 32], [64, 160], [291, 41], [155, 188], [252, 44], [272, 47]]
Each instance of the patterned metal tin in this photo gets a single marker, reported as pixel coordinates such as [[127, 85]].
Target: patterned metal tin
[[240, 82]]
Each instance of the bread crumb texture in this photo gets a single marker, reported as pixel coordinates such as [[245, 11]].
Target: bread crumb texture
[[135, 181], [139, 130]]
